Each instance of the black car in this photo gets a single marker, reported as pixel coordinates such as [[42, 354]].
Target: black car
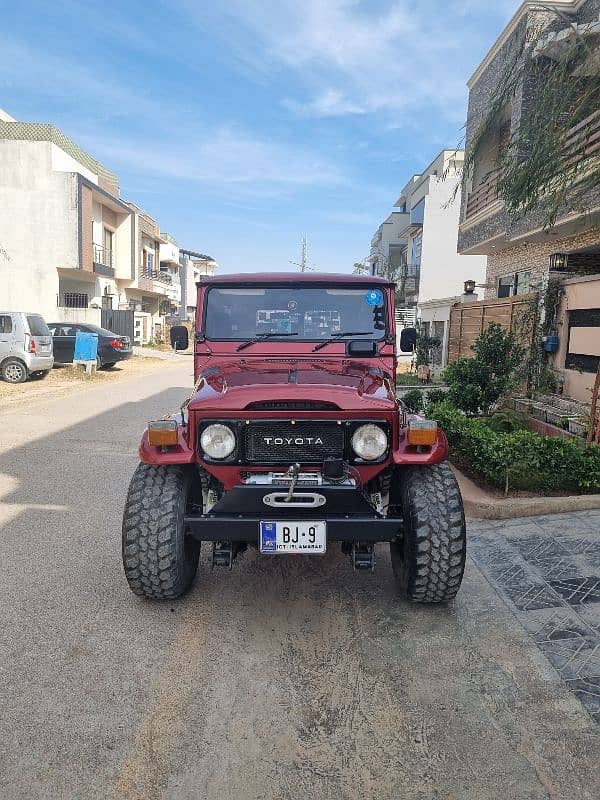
[[111, 346]]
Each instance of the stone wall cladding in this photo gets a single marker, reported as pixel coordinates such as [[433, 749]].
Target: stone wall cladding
[[534, 257], [529, 30]]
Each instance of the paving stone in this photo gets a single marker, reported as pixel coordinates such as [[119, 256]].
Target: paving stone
[[548, 570]]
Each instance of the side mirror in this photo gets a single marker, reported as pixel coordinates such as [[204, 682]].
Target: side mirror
[[179, 337], [408, 340], [362, 348]]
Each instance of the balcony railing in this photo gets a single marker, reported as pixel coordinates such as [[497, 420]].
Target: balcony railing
[[156, 275], [102, 255], [583, 140], [485, 194]]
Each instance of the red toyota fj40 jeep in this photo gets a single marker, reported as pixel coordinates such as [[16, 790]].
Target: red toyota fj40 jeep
[[293, 439]]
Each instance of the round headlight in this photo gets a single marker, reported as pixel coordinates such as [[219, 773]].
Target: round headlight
[[217, 441], [369, 442]]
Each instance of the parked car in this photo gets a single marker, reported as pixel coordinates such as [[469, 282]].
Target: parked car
[[25, 346], [111, 346]]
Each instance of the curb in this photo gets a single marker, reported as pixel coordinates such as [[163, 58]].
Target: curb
[[512, 508], [479, 504]]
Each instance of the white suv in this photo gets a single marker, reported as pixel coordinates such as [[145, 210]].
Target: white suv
[[25, 346]]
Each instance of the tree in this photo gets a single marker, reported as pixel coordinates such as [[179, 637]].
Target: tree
[[425, 348], [398, 273], [476, 384]]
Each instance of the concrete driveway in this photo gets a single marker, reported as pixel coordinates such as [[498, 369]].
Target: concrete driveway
[[289, 679]]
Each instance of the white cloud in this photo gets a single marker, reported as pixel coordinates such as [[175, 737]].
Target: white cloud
[[109, 128], [227, 159], [351, 57]]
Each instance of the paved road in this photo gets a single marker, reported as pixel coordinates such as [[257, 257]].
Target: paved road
[[282, 679]]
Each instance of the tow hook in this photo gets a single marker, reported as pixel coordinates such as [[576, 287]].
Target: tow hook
[[363, 557]]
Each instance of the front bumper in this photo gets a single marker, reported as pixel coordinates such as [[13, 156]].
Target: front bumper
[[237, 515]]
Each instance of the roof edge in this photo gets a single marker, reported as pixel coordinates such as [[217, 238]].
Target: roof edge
[[566, 6]]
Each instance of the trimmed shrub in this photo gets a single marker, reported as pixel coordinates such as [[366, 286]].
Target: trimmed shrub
[[506, 422], [476, 384], [413, 400], [436, 396], [522, 459]]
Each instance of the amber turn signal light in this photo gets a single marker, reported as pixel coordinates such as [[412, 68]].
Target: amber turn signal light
[[422, 432], [162, 433]]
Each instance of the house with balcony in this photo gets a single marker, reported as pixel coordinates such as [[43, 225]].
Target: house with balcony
[[67, 235], [193, 267], [434, 267], [170, 268], [522, 249], [417, 244]]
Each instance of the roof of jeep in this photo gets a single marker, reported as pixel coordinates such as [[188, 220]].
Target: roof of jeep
[[295, 277]]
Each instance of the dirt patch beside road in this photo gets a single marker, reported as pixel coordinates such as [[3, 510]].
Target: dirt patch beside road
[[64, 381]]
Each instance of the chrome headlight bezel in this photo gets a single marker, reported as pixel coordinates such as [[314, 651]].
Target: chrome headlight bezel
[[370, 430], [222, 430]]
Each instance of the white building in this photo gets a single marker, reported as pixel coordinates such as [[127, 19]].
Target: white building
[[388, 244], [432, 202], [65, 233], [70, 247], [193, 267]]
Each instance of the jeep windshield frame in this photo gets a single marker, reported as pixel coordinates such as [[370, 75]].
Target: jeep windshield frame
[[316, 311]]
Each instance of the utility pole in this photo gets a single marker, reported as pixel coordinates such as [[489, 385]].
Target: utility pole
[[303, 263]]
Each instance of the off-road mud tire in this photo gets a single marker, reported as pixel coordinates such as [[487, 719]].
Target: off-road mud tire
[[430, 560], [160, 561]]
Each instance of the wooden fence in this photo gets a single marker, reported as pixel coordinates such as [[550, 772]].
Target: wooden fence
[[469, 320]]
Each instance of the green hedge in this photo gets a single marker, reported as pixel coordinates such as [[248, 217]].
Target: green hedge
[[523, 459]]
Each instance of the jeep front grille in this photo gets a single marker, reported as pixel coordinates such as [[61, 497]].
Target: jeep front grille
[[274, 442]]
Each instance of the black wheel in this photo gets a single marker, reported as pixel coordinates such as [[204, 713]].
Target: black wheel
[[13, 371], [430, 560], [109, 366], [40, 374], [160, 561]]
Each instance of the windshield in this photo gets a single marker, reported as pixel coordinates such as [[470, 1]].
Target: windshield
[[310, 314], [37, 326]]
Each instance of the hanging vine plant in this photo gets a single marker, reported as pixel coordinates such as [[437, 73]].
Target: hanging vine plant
[[550, 161]]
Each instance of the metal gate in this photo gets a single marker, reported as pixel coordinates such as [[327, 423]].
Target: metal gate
[[120, 322]]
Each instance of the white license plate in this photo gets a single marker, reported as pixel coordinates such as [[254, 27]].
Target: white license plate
[[300, 537]]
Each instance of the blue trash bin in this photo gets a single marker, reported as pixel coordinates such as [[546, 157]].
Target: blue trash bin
[[86, 346]]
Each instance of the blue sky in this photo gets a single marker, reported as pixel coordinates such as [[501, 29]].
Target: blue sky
[[243, 124]]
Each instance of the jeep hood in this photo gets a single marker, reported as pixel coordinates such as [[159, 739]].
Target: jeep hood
[[346, 385]]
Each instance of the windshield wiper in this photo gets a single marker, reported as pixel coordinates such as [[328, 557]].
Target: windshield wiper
[[341, 335], [260, 336]]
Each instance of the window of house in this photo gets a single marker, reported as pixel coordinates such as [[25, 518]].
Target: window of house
[[510, 285], [108, 246], [149, 260], [522, 282], [417, 246], [417, 213], [505, 286], [5, 324]]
